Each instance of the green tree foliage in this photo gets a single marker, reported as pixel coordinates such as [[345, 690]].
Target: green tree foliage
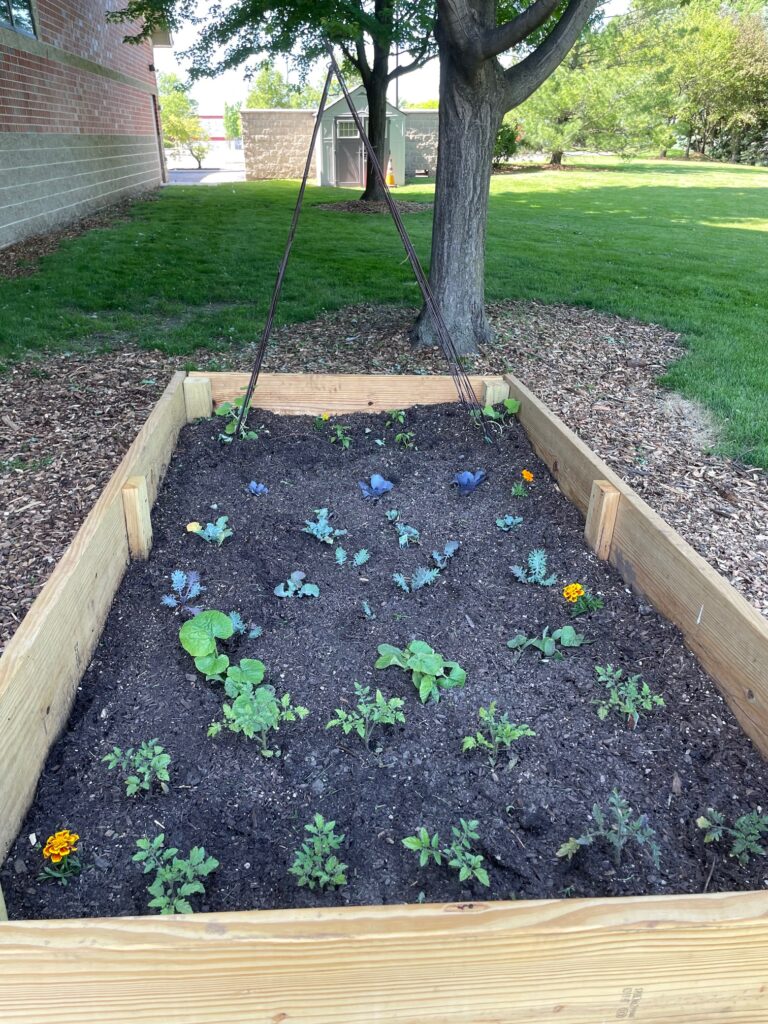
[[182, 131], [271, 91], [233, 129]]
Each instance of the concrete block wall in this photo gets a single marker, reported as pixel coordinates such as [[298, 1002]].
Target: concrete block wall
[[275, 143], [421, 135]]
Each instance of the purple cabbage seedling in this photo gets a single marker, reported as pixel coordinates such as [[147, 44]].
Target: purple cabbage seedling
[[468, 482], [186, 587], [377, 487], [257, 488]]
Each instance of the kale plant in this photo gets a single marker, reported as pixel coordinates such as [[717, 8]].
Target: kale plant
[[628, 696], [746, 833], [468, 482], [376, 488], [315, 863], [616, 828], [295, 586], [566, 637], [231, 412], [358, 559], [212, 533], [176, 878], [430, 672], [535, 571], [240, 628], [507, 523], [406, 534], [368, 612], [422, 577], [257, 488], [369, 713], [321, 529], [458, 854], [497, 733], [186, 587], [255, 712], [441, 559], [140, 767]]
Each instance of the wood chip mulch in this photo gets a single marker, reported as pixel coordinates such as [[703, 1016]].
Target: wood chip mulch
[[67, 420], [374, 206]]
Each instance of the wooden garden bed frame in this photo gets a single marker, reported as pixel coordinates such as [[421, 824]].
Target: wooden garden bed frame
[[665, 959]]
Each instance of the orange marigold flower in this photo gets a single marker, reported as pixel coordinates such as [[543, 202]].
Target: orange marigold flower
[[527, 475], [60, 845], [573, 592]]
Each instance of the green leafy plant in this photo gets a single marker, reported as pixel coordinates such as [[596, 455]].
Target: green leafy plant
[[255, 712], [746, 833], [585, 604], [368, 714], [406, 439], [176, 878], [198, 637], [368, 612], [421, 577], [616, 828], [458, 854], [358, 559], [212, 533], [536, 570], [498, 416], [407, 535], [497, 733], [295, 586], [320, 528], [519, 490], [430, 672], [628, 696], [141, 767], [442, 558], [564, 638], [231, 412], [315, 863], [507, 523], [395, 417], [340, 434]]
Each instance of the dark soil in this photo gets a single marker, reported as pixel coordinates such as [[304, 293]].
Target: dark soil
[[249, 812], [374, 206]]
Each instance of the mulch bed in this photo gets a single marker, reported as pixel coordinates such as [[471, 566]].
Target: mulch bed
[[249, 812], [377, 206], [69, 419]]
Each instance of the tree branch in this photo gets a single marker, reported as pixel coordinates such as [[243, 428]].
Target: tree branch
[[418, 59], [519, 28], [525, 78]]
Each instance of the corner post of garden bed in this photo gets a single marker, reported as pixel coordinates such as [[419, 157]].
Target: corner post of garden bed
[[198, 398], [138, 519], [601, 517], [3, 911]]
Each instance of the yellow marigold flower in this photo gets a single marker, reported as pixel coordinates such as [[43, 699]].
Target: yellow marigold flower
[[60, 845], [573, 592], [325, 415], [193, 527], [527, 475]]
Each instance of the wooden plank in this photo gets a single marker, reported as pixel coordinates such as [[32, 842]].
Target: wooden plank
[[138, 522], [312, 393], [728, 636], [495, 390], [198, 399], [657, 960], [3, 910], [601, 517], [47, 656]]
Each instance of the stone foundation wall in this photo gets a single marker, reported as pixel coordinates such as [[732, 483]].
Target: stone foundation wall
[[421, 133], [275, 143]]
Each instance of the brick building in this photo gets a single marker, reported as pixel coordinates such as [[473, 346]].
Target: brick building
[[78, 115]]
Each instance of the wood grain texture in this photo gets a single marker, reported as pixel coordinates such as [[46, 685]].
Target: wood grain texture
[[495, 390], [138, 522], [198, 398], [728, 636], [601, 517], [312, 393], [49, 652], [671, 960]]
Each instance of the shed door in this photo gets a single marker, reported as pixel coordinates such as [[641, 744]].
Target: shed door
[[350, 166]]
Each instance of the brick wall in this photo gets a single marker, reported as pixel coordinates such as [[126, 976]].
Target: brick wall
[[275, 143], [77, 118]]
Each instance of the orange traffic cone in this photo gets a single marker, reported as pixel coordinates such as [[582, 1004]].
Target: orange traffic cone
[[390, 173]]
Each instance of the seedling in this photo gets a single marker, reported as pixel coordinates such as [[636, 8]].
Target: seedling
[[368, 612], [320, 528], [369, 713], [295, 586], [198, 637], [141, 767], [498, 733], [442, 558], [257, 488], [468, 482], [407, 535], [422, 577], [520, 489], [630, 696], [565, 637], [256, 712], [377, 487], [176, 878], [499, 415], [406, 439], [616, 829], [240, 628], [395, 417], [746, 833], [315, 863], [581, 603], [339, 434], [358, 559], [458, 853], [212, 533], [186, 587], [536, 570], [507, 523], [231, 412], [61, 850], [430, 672]]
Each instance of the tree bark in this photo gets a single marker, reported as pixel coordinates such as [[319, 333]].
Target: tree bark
[[470, 116], [376, 92], [557, 158]]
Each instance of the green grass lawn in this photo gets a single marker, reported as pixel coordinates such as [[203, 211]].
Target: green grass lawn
[[684, 245]]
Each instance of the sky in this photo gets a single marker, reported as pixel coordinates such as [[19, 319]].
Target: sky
[[231, 87]]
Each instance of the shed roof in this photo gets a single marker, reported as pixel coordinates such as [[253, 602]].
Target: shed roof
[[339, 106]]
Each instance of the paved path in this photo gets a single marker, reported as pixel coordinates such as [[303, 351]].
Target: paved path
[[208, 176]]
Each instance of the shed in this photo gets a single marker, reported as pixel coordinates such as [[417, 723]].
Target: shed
[[340, 152]]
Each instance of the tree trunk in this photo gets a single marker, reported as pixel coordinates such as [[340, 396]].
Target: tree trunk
[[557, 158], [376, 93], [470, 116]]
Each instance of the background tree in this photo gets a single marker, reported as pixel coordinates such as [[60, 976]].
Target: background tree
[[366, 31], [233, 128], [271, 91], [179, 119]]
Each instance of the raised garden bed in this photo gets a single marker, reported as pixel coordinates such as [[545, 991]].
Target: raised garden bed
[[462, 961]]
